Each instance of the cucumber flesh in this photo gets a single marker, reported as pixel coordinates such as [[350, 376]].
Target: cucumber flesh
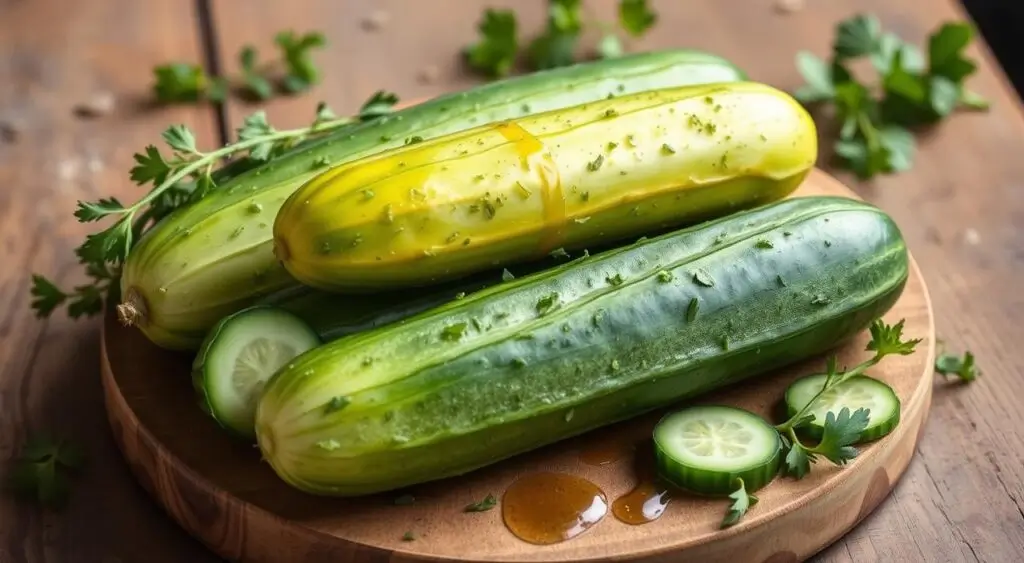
[[240, 355], [857, 392], [704, 449]]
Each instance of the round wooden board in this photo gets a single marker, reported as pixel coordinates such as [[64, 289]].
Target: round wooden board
[[220, 491]]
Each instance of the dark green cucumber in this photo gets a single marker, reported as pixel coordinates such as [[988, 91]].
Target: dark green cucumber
[[210, 259], [604, 338]]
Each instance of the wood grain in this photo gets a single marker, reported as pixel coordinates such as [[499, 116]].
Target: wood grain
[[219, 491], [961, 209], [49, 64]]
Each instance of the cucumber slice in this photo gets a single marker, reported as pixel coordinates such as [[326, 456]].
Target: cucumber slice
[[237, 358], [704, 449], [857, 392]]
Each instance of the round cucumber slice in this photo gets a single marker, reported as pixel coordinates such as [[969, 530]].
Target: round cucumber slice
[[704, 449], [857, 392], [239, 355]]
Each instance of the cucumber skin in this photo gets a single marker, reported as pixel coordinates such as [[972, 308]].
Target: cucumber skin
[[194, 268], [425, 408]]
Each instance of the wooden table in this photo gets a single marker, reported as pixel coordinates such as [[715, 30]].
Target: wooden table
[[961, 209]]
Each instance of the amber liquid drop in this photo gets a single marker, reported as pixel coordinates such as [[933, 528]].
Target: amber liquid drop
[[546, 508], [649, 498]]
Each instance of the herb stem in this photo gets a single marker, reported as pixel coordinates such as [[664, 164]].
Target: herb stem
[[830, 382]]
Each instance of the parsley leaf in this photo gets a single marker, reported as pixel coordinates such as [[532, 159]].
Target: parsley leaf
[[888, 339], [302, 73], [798, 461], [818, 77], [857, 36], [179, 82], [557, 45], [741, 502], [951, 364], [484, 505], [150, 167], [840, 432], [180, 138], [87, 211], [47, 296], [253, 127], [636, 16], [40, 472], [256, 83], [380, 103], [495, 52]]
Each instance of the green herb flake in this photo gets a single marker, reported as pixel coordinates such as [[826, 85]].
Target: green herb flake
[[547, 303], [368, 194], [525, 191], [762, 137], [404, 500], [581, 220], [631, 141], [559, 253], [764, 243], [335, 404], [595, 164], [615, 365], [488, 503], [367, 362], [328, 445], [506, 276], [691, 309], [489, 210], [321, 162], [518, 363], [610, 113], [614, 280], [460, 295], [664, 276], [413, 140], [454, 332], [694, 121], [787, 234], [566, 328], [409, 536], [598, 317], [724, 342], [238, 230], [704, 278], [612, 145], [667, 149], [585, 196], [781, 282], [710, 128], [415, 193], [828, 243], [569, 415], [254, 208], [820, 299]]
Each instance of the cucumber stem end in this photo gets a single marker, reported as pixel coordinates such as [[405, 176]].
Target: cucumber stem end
[[132, 311]]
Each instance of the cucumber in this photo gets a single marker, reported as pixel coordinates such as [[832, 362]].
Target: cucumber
[[704, 449], [572, 348], [238, 357], [505, 193], [215, 257], [857, 392]]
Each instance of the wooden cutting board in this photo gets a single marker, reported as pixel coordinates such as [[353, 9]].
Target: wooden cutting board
[[220, 492]]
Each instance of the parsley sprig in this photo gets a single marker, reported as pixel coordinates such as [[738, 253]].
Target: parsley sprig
[[495, 52], [963, 367], [875, 136], [178, 82], [741, 502], [40, 473], [183, 176], [840, 431]]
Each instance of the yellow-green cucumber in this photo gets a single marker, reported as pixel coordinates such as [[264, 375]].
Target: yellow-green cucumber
[[572, 348], [215, 257], [508, 192]]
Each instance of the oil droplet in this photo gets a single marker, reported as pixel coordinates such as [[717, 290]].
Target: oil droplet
[[649, 498], [545, 508]]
